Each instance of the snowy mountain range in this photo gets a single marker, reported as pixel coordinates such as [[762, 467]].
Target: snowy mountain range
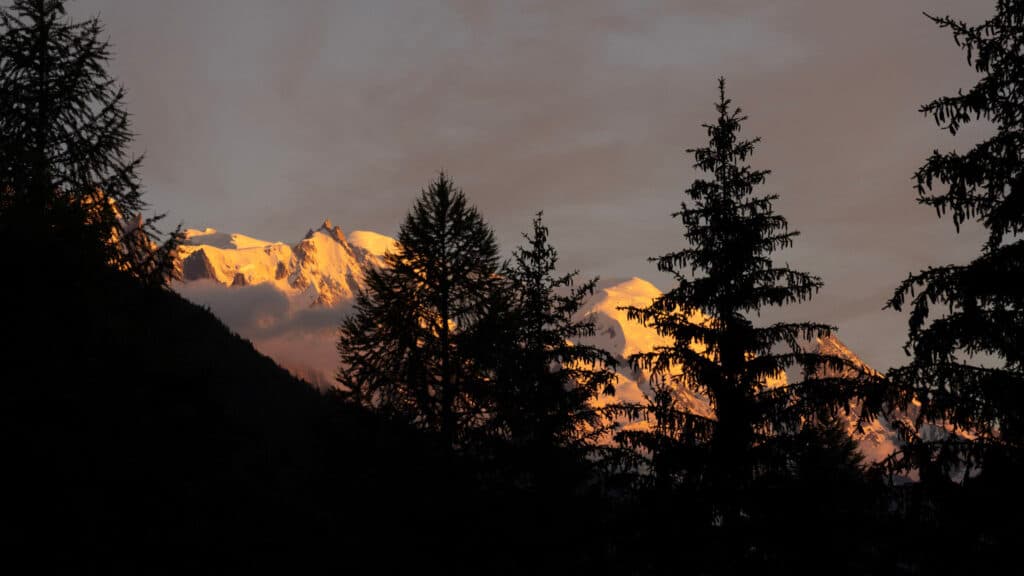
[[289, 298], [323, 269]]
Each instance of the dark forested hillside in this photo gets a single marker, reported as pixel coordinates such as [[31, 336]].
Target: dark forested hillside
[[146, 426], [142, 435]]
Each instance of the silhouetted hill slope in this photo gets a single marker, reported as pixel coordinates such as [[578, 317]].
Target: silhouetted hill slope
[[146, 422], [143, 434]]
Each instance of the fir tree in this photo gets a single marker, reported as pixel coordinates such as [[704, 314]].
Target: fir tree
[[546, 401], [66, 179], [412, 347], [966, 321], [724, 278]]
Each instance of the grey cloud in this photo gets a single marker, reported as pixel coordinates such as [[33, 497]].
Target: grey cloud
[[309, 355], [302, 340], [263, 117], [260, 311], [249, 310], [312, 320]]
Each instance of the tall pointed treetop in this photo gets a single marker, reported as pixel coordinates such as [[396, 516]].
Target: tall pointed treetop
[[66, 177]]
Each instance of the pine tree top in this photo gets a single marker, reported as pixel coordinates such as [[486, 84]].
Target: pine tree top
[[65, 168], [984, 183], [726, 271]]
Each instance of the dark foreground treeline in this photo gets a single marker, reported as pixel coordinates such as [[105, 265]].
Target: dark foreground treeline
[[475, 431], [141, 435]]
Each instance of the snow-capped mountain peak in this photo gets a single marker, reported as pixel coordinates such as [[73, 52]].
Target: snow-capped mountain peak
[[321, 269], [372, 243]]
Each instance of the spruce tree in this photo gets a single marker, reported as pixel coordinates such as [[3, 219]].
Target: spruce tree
[[412, 347], [966, 321], [546, 400], [725, 277], [66, 180]]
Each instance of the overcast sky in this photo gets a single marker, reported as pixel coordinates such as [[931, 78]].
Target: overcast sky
[[265, 117]]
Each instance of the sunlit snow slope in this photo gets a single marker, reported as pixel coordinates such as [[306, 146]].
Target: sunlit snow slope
[[322, 269]]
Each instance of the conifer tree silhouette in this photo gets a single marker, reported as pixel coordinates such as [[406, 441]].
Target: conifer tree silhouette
[[66, 179], [724, 278], [545, 400], [411, 347], [965, 321]]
